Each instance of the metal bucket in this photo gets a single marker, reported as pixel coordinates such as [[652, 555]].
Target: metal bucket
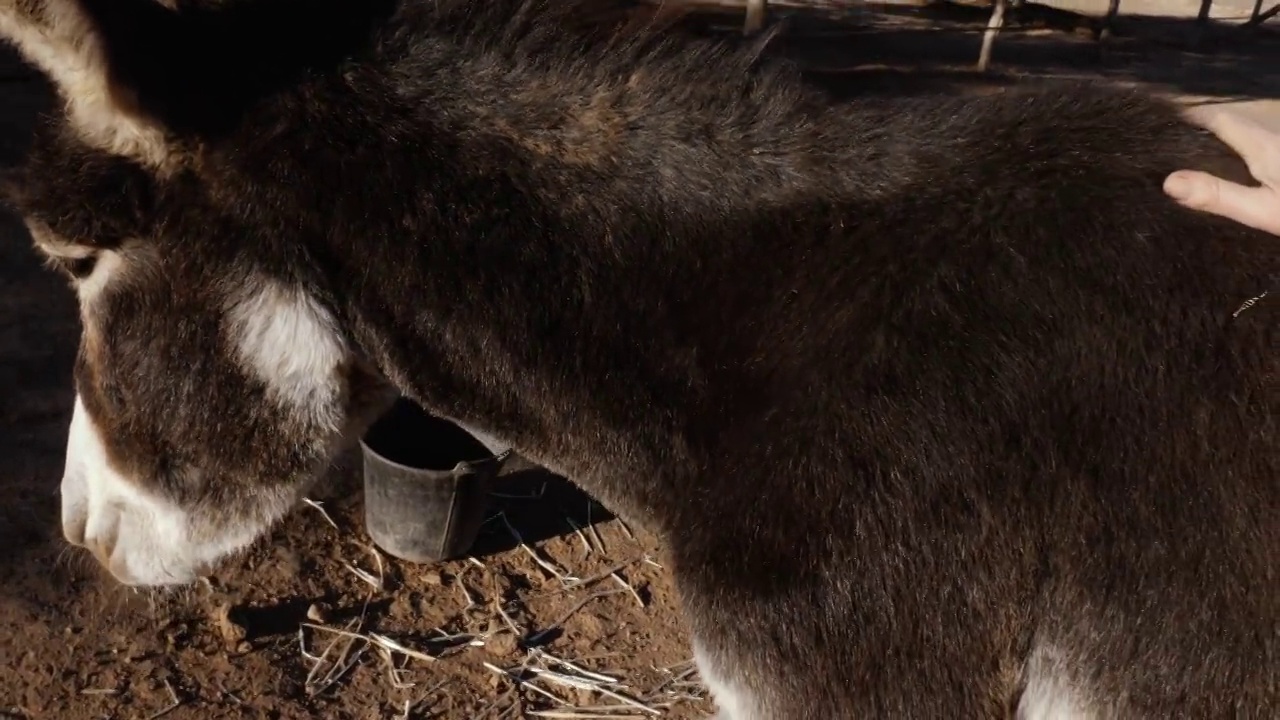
[[426, 484]]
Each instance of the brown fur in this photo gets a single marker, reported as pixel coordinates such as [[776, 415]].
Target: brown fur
[[934, 401]]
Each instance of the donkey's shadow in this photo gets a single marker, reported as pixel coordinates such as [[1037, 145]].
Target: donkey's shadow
[[530, 504]]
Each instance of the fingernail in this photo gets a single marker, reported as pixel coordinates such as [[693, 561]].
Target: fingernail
[[1179, 187]]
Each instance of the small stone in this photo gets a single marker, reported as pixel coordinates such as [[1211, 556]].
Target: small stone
[[502, 644], [432, 577], [228, 625], [317, 614], [423, 606], [402, 605], [243, 647]]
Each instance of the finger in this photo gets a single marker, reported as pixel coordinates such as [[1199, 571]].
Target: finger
[[1257, 207], [1241, 133], [1201, 115], [1258, 146]]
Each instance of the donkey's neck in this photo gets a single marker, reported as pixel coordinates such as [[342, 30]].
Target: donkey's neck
[[560, 250]]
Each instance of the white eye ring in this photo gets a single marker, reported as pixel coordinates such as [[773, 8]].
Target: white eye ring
[[53, 245]]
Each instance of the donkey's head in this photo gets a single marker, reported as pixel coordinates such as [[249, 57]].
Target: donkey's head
[[211, 387]]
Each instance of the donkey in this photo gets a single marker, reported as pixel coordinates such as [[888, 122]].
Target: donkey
[[941, 408]]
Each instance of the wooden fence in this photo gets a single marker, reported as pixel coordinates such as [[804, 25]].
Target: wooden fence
[[756, 13]]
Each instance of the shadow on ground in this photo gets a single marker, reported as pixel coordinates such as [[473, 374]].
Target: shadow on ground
[[532, 505]]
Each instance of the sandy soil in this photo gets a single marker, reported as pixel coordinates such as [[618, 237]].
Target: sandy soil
[[314, 622]]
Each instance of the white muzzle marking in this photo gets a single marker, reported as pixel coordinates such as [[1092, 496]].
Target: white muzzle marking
[[140, 538]]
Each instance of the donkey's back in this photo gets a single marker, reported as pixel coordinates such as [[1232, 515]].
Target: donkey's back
[[1018, 449]]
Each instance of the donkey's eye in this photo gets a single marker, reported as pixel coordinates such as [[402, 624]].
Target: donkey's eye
[[79, 268]]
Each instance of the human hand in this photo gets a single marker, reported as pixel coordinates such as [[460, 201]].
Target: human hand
[[1258, 207]]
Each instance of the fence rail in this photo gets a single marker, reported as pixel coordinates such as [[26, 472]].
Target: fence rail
[[756, 13]]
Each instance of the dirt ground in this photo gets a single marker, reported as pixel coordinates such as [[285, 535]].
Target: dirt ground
[[561, 609]]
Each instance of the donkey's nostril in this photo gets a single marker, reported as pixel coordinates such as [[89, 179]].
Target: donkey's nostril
[[103, 545], [75, 508], [100, 550], [73, 531]]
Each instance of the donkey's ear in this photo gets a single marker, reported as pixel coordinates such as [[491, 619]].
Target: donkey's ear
[[136, 73], [89, 50]]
